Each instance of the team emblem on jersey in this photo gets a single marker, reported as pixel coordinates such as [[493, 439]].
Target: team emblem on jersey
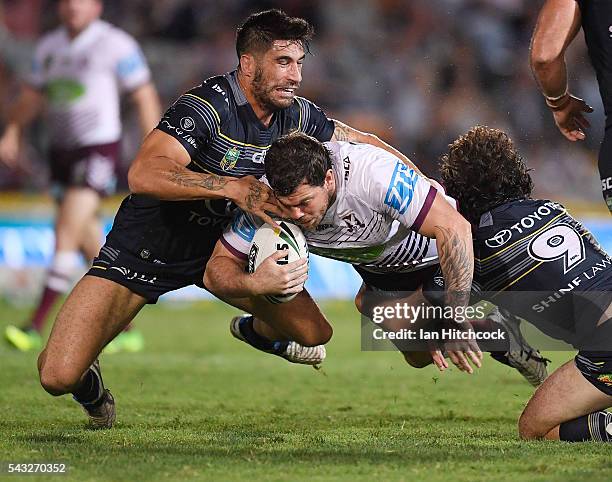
[[352, 222], [187, 124], [230, 159], [499, 239]]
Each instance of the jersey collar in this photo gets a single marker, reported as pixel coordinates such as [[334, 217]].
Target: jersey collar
[[90, 31], [239, 94]]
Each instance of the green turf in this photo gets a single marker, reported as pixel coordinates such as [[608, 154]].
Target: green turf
[[199, 405]]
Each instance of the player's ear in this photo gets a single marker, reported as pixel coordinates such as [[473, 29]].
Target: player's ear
[[248, 65], [329, 179]]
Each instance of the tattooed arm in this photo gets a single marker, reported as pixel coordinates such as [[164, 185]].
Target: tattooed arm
[[343, 132], [160, 171], [454, 242]]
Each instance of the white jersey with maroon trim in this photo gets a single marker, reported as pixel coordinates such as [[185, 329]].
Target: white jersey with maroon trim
[[82, 79], [379, 207]]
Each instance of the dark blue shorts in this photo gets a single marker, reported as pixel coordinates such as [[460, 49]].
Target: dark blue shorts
[[596, 367]]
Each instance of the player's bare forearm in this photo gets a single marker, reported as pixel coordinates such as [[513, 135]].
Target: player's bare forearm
[[160, 171], [457, 262], [557, 26], [453, 234], [147, 104], [225, 275], [165, 179], [343, 132], [551, 77]]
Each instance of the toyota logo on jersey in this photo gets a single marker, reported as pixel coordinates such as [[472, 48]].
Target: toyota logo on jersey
[[499, 239]]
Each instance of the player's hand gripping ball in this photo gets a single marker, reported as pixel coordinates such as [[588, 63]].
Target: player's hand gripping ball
[[269, 240]]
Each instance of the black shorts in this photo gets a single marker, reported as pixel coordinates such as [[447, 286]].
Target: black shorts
[[94, 167], [159, 246], [407, 281], [596, 367], [147, 277]]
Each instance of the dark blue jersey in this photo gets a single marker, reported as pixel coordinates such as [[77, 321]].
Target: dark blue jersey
[[535, 259], [220, 131], [597, 25]]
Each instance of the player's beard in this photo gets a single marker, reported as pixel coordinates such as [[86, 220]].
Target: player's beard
[[263, 90], [331, 197]]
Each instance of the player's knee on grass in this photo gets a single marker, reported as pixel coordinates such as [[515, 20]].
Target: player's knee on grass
[[530, 428], [57, 379]]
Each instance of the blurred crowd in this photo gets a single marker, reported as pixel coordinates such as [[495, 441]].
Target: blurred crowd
[[417, 73]]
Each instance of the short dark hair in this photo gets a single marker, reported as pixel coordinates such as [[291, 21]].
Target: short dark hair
[[482, 170], [294, 159], [261, 29]]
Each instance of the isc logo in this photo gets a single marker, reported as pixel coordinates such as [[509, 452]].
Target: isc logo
[[401, 189]]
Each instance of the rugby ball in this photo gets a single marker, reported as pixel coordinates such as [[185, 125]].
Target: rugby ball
[[269, 240]]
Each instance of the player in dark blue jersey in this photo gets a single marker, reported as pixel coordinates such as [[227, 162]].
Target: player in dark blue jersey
[[534, 259], [558, 23], [201, 162]]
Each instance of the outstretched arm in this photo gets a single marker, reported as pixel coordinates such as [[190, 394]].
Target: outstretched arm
[[557, 26]]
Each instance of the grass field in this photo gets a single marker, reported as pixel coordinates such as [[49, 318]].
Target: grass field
[[199, 405]]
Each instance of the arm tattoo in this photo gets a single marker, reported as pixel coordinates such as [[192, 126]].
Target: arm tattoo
[[254, 197], [185, 178], [342, 132], [457, 265]]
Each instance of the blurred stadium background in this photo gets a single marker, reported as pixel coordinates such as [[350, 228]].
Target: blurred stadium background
[[417, 73]]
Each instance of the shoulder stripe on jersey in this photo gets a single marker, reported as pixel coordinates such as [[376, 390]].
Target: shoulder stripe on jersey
[[205, 113], [220, 134], [208, 104]]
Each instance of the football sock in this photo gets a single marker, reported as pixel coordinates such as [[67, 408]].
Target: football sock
[[258, 341], [47, 301], [59, 281], [595, 426], [90, 390]]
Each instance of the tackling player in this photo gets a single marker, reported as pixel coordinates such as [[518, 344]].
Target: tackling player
[[558, 23], [201, 161], [79, 71], [536, 260]]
